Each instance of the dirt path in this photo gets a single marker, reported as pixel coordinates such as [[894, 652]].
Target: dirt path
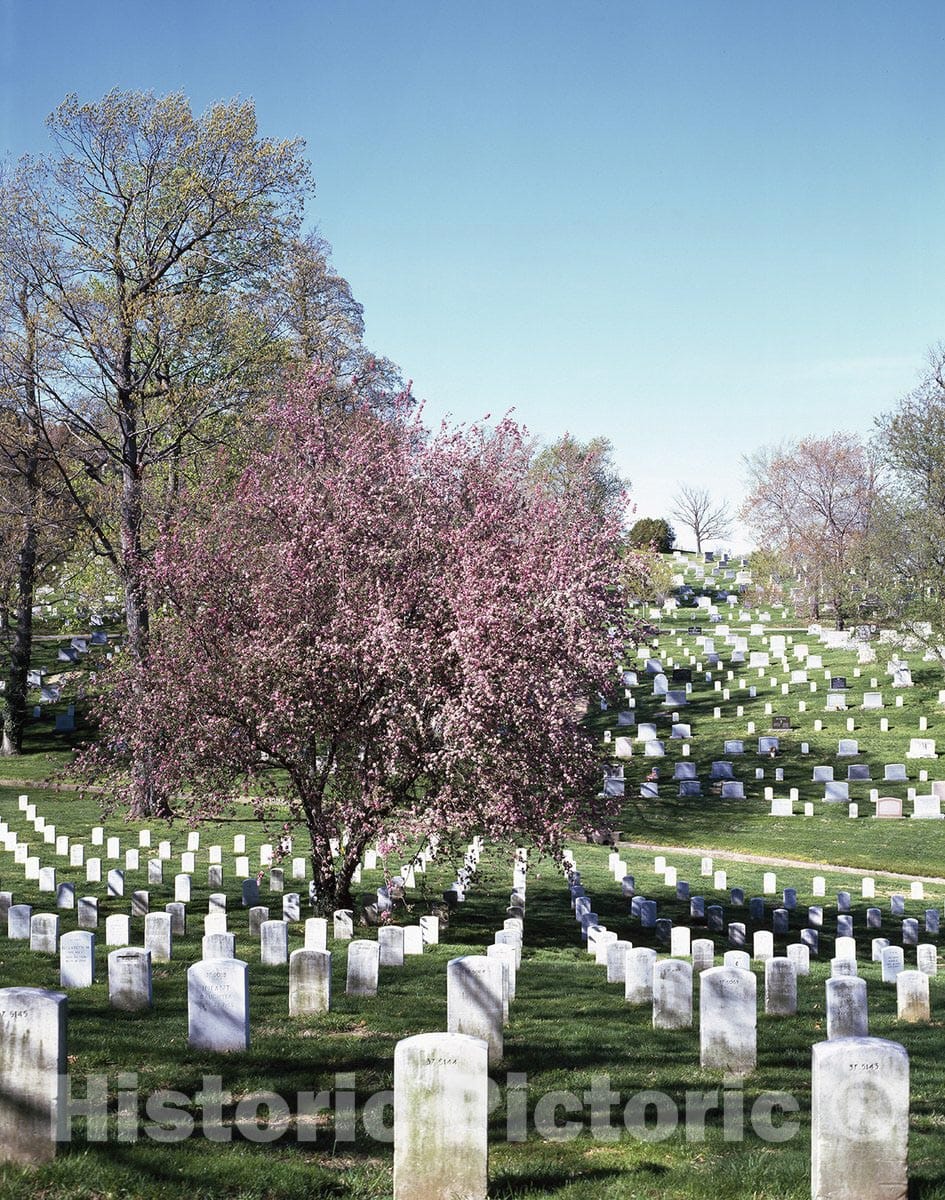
[[761, 860]]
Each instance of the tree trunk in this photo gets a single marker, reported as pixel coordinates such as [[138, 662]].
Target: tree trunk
[[330, 894], [147, 797], [21, 644], [137, 617], [332, 884], [21, 641]]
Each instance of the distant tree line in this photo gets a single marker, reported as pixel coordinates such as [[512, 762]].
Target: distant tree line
[[859, 523]]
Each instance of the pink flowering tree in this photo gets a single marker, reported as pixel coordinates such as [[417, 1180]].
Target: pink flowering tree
[[376, 631]]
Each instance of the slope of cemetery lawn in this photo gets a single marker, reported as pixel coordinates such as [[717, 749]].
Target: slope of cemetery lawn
[[571, 1035], [746, 824]]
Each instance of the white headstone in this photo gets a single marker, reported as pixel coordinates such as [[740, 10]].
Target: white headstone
[[157, 936], [859, 1120], [672, 994], [218, 1005], [893, 962], [44, 933], [32, 1073], [441, 1117], [116, 930], [363, 962], [640, 964], [316, 933], [728, 1020], [912, 996], [129, 979], [343, 924], [390, 942], [273, 943], [218, 945], [474, 1000], [309, 982], [77, 959], [780, 987]]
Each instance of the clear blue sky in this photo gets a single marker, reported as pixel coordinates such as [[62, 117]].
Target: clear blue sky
[[693, 226]]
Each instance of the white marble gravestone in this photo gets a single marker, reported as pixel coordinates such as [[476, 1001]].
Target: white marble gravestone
[[343, 924], [77, 959], [728, 1020], [309, 982], [474, 986], [218, 1005], [859, 1120], [218, 945], [273, 943], [640, 963], [912, 996], [847, 1014], [44, 933], [33, 1025], [117, 929], [441, 1117], [780, 987], [390, 943], [672, 994], [129, 979], [617, 961], [316, 933], [363, 962]]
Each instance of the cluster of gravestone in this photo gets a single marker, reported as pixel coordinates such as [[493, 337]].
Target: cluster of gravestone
[[130, 967], [70, 653], [737, 660], [857, 1081], [440, 1079]]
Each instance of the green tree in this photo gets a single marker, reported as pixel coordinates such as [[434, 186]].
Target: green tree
[[38, 518], [907, 589], [569, 464], [652, 533], [769, 574], [148, 242]]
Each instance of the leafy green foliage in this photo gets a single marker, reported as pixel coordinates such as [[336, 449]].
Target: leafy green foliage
[[652, 533]]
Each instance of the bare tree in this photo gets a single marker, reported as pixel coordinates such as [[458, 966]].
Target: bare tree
[[695, 509], [814, 501]]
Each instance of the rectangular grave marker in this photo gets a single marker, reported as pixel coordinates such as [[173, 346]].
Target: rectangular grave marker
[[32, 1073]]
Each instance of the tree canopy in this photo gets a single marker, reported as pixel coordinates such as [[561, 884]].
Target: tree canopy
[[568, 465], [652, 533], [814, 502], [385, 629]]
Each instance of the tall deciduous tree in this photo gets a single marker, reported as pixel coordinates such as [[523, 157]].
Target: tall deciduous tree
[[814, 502], [37, 519], [323, 325], [695, 509], [140, 235], [400, 623], [568, 465], [148, 242], [909, 546]]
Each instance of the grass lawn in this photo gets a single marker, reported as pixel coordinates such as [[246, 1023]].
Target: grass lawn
[[571, 1039]]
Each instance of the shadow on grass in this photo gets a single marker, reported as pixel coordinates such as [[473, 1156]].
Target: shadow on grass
[[509, 1185]]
